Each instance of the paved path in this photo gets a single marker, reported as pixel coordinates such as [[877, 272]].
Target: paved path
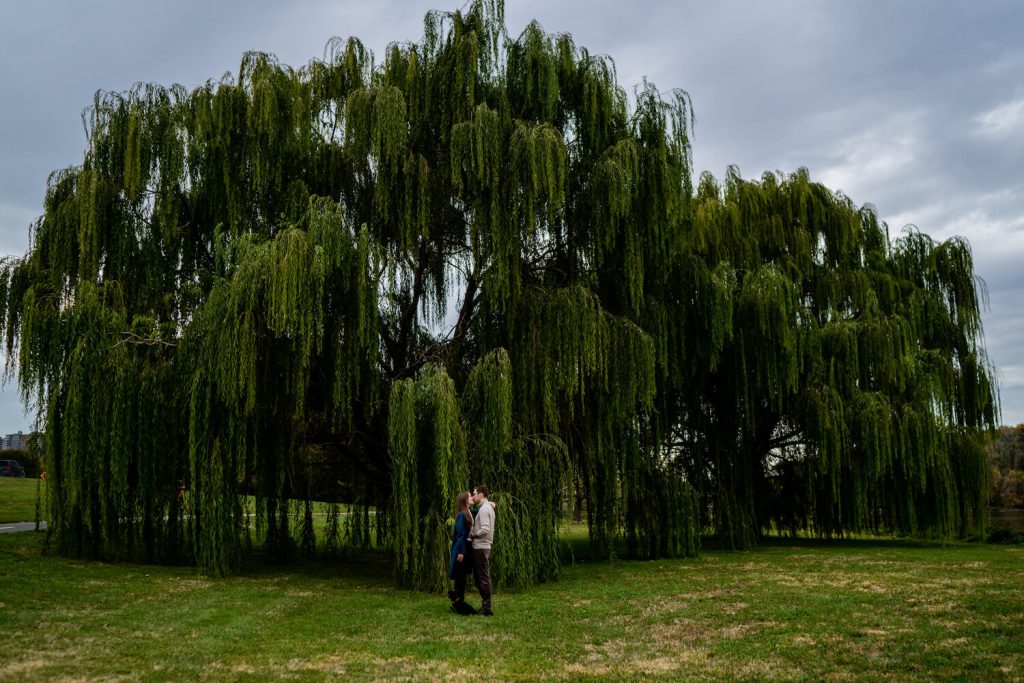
[[11, 527]]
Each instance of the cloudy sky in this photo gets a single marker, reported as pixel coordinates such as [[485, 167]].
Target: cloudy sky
[[915, 107]]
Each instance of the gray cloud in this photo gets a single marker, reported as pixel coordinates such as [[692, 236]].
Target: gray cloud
[[915, 107]]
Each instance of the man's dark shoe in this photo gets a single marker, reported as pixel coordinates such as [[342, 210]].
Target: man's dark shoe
[[487, 613]]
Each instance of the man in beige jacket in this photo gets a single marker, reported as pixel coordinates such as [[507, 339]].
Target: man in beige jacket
[[482, 537]]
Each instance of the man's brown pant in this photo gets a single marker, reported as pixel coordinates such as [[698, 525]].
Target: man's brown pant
[[482, 575]]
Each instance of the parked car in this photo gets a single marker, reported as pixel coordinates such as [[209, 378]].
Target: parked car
[[11, 468]]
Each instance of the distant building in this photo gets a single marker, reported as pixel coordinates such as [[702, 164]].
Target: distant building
[[17, 442]]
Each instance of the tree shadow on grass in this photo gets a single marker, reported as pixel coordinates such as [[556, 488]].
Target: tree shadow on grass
[[860, 542], [359, 567]]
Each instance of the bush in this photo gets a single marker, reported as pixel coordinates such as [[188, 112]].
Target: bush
[[1004, 535]]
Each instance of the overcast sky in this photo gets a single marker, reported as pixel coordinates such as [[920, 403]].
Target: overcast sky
[[915, 107]]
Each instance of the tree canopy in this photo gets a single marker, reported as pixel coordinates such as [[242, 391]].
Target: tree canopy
[[477, 259]]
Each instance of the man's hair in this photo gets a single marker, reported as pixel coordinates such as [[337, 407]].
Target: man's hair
[[481, 489]]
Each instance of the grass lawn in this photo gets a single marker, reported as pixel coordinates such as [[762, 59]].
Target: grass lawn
[[862, 610], [18, 499]]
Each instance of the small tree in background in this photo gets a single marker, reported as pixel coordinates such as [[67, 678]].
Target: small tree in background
[[1006, 456]]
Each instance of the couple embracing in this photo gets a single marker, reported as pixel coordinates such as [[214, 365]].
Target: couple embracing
[[471, 550]]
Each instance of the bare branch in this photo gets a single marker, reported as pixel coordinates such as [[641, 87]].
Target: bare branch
[[132, 338]]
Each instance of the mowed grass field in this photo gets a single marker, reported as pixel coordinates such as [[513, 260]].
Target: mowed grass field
[[18, 499], [854, 610]]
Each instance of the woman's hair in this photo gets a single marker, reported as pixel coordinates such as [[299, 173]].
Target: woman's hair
[[462, 505]]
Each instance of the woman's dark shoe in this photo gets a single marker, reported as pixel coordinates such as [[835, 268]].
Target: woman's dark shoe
[[460, 606]]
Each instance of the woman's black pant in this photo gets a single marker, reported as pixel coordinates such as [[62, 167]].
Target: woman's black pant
[[462, 570]]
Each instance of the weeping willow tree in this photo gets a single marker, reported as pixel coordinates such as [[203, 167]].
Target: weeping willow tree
[[845, 386], [477, 260]]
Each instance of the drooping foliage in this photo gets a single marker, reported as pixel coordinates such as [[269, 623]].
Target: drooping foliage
[[852, 389], [475, 261]]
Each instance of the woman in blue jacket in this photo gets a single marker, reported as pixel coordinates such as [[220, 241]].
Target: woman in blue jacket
[[461, 560]]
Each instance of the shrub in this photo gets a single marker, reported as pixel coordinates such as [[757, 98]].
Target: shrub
[[1004, 535]]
